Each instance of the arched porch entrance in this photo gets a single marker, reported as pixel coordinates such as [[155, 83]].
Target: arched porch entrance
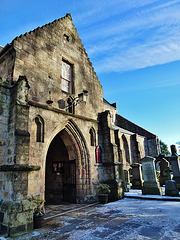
[[67, 167]]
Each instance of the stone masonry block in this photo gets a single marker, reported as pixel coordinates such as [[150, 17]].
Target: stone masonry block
[[27, 205], [16, 230]]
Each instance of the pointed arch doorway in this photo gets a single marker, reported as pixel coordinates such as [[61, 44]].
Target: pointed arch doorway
[[67, 167], [60, 181]]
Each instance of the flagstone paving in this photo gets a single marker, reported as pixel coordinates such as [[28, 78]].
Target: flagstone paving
[[130, 219]]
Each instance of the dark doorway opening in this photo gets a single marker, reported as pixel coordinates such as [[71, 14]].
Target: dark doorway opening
[[60, 179]]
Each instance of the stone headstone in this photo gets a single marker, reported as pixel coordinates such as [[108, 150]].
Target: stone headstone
[[171, 188], [165, 172], [175, 165], [137, 176], [150, 184], [173, 150]]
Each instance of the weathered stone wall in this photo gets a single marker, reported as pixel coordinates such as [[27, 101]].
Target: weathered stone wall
[[153, 147], [55, 122], [126, 149], [112, 109], [108, 137], [138, 148], [143, 148], [110, 171], [15, 209], [4, 113], [15, 217], [5, 187], [132, 148], [7, 57], [39, 56]]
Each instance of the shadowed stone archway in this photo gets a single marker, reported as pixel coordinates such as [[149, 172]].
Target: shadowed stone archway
[[67, 167]]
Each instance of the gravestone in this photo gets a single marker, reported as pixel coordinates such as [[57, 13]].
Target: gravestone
[[175, 165], [171, 188], [165, 172], [137, 176], [173, 150], [150, 184]]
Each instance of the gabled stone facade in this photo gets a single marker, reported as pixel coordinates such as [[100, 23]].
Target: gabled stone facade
[[58, 137]]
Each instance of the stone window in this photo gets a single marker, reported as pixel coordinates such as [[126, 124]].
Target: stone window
[[92, 135], [66, 37], [39, 129], [98, 154], [126, 149], [66, 77]]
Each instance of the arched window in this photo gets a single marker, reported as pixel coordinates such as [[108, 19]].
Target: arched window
[[98, 154], [39, 129], [126, 149], [92, 135]]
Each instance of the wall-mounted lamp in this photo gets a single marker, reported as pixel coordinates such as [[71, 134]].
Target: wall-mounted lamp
[[73, 101], [83, 96]]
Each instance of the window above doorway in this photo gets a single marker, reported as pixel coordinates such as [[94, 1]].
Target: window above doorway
[[66, 77]]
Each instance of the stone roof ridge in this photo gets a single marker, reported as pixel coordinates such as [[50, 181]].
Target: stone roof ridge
[[135, 125], [68, 15]]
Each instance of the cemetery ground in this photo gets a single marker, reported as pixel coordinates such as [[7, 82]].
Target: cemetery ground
[[130, 218]]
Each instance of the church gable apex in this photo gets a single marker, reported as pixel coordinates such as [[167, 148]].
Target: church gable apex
[[60, 30]]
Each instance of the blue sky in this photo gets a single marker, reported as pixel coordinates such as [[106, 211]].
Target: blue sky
[[134, 46]]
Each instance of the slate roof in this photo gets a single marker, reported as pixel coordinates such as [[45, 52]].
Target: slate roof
[[132, 127]]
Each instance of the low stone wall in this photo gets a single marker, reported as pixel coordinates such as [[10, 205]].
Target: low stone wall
[[15, 217]]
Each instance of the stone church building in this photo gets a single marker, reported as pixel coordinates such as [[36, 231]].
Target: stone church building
[[58, 136]]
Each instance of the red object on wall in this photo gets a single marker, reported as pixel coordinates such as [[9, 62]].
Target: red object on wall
[[98, 154]]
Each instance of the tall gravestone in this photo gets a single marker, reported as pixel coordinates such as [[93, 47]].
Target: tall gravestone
[[173, 150], [137, 176], [175, 165], [165, 172], [150, 184]]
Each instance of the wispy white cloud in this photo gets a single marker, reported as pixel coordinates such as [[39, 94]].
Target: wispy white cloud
[[140, 57], [134, 35], [99, 11], [141, 86]]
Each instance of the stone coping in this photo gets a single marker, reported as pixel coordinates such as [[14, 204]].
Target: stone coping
[[17, 167], [40, 105]]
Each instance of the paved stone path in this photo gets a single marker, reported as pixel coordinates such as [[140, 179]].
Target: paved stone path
[[127, 219]]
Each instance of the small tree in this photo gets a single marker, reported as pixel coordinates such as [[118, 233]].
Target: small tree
[[164, 148], [178, 143]]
